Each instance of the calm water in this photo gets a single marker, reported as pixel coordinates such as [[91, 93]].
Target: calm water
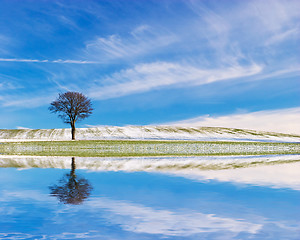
[[45, 203]]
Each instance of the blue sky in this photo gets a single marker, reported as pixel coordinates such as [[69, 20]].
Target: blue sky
[[151, 62]]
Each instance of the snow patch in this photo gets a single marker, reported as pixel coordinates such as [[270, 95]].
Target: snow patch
[[147, 133]]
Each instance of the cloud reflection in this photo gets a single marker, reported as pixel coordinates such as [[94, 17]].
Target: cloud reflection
[[141, 219]]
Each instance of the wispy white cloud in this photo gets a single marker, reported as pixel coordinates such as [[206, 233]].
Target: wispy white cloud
[[146, 77], [282, 120], [214, 27], [61, 86], [274, 15], [5, 42], [47, 61], [282, 73], [6, 85], [9, 83], [249, 25], [277, 38], [141, 40], [26, 101], [75, 61], [20, 127]]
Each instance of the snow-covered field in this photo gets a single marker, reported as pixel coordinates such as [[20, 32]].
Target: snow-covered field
[[147, 133]]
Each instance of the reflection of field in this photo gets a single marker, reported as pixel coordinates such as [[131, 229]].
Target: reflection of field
[[147, 163], [272, 170], [101, 148]]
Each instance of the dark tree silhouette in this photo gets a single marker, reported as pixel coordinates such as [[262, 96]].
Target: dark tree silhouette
[[72, 107], [71, 188]]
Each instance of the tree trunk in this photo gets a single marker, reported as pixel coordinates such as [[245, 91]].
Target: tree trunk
[[73, 130]]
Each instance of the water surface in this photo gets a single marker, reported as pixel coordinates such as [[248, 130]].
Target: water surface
[[74, 203]]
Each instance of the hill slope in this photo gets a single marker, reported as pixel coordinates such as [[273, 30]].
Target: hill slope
[[148, 133]]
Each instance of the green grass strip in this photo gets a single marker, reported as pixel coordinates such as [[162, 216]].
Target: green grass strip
[[120, 148]]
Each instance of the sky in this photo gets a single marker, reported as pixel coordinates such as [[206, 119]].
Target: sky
[[225, 63]]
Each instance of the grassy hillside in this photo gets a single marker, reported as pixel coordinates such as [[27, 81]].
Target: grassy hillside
[[148, 132]]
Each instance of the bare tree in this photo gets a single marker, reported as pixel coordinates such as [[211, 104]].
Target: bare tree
[[72, 107]]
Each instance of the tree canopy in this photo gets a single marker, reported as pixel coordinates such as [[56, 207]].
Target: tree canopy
[[72, 107]]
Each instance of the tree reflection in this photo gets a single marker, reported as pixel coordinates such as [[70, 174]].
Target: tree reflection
[[71, 189]]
